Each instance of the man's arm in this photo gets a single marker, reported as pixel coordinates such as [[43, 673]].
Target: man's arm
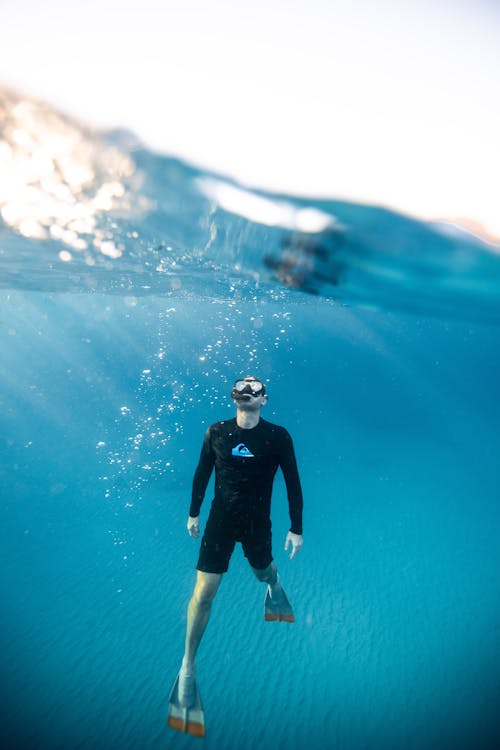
[[200, 482], [290, 471]]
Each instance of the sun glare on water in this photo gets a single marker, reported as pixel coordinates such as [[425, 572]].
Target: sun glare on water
[[55, 183]]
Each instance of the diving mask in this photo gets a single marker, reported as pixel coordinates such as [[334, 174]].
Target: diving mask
[[248, 388]]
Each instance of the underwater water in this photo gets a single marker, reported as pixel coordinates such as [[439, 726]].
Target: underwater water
[[134, 289]]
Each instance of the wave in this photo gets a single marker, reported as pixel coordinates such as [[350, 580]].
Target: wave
[[89, 211]]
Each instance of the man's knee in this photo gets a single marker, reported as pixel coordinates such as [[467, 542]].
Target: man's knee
[[206, 588]]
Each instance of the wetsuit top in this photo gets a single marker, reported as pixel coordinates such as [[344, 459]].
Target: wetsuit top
[[245, 463]]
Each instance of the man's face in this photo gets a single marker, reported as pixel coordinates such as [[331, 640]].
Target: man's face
[[248, 394]]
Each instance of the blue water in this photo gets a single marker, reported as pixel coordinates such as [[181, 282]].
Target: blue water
[[378, 337]]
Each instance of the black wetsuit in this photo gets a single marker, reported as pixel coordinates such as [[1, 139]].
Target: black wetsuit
[[245, 463]]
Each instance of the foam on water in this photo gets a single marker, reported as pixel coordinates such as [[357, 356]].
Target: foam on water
[[134, 289]]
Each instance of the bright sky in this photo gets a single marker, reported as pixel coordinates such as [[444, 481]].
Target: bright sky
[[388, 101]]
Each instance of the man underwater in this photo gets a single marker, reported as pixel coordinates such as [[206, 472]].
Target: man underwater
[[246, 452]]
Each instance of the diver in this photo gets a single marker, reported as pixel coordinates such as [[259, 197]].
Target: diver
[[246, 452]]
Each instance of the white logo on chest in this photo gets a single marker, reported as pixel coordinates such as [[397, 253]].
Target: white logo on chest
[[242, 450]]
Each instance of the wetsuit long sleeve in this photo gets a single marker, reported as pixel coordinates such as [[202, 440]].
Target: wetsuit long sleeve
[[202, 476], [288, 464]]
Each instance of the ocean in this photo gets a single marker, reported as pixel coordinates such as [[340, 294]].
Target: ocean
[[134, 289]]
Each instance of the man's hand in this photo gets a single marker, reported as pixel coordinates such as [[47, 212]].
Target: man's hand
[[193, 527], [296, 541]]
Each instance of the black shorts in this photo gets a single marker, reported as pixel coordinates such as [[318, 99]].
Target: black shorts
[[221, 535]]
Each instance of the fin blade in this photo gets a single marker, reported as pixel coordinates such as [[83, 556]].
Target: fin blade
[[278, 611], [192, 727], [271, 617], [188, 720]]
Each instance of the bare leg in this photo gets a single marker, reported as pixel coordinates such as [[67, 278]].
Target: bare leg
[[268, 575], [198, 614]]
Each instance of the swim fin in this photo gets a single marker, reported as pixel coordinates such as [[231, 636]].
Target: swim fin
[[188, 719], [278, 609]]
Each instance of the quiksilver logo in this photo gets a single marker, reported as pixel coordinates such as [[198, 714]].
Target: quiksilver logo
[[242, 450]]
